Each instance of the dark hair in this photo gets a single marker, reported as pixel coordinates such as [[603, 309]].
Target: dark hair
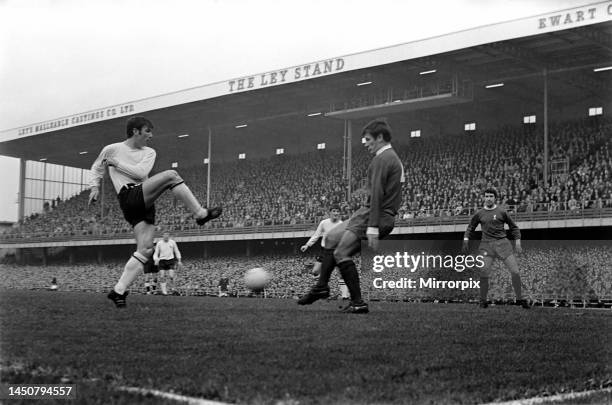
[[377, 127], [136, 123], [334, 207], [491, 190]]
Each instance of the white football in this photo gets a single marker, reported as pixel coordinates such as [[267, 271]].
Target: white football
[[256, 279]]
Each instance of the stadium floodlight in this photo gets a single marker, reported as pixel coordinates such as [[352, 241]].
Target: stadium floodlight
[[397, 101], [205, 161], [363, 83], [241, 126], [491, 86], [427, 72], [601, 69], [174, 165], [83, 153], [43, 159], [183, 136], [314, 114]]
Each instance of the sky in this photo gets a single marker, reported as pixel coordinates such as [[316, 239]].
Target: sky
[[62, 57]]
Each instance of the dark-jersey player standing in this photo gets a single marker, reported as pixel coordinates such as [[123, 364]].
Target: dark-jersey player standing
[[495, 244]]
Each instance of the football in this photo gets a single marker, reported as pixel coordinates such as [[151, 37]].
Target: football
[[256, 279]]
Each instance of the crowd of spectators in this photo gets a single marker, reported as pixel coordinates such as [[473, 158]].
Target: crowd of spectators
[[445, 176], [557, 272]]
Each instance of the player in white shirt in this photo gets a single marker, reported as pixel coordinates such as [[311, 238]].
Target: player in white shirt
[[326, 254], [167, 255], [129, 164]]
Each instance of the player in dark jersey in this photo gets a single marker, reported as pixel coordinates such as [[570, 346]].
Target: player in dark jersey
[[373, 221], [495, 244]]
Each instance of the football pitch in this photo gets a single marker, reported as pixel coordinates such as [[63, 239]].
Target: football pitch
[[271, 351]]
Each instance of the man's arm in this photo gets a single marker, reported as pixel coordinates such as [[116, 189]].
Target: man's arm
[[156, 254], [95, 175], [315, 236], [177, 252], [470, 230], [376, 197], [516, 232]]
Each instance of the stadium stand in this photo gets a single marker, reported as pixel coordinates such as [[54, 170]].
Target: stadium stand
[[445, 178], [580, 275]]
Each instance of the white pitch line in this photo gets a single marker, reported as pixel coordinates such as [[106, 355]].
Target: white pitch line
[[172, 396], [552, 398]]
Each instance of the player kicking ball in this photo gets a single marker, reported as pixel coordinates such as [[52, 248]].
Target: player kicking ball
[[495, 244], [129, 164], [373, 221]]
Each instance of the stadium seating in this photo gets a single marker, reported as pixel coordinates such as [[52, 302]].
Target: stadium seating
[[579, 275], [445, 178]]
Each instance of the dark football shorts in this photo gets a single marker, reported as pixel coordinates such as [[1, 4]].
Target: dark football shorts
[[131, 201], [150, 268], [501, 248], [166, 264], [358, 223]]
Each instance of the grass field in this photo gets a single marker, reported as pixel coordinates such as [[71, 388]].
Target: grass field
[[272, 351]]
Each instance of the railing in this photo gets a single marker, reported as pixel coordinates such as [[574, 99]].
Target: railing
[[434, 217], [424, 217]]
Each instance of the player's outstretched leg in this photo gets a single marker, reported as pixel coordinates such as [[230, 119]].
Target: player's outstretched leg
[[154, 186], [320, 290]]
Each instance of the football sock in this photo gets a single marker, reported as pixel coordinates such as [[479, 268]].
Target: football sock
[[484, 288], [328, 263], [132, 268], [163, 288], [516, 284], [147, 287], [183, 193], [351, 278]]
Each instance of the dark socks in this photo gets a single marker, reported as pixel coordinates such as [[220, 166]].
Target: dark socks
[[516, 284], [351, 278], [484, 288]]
